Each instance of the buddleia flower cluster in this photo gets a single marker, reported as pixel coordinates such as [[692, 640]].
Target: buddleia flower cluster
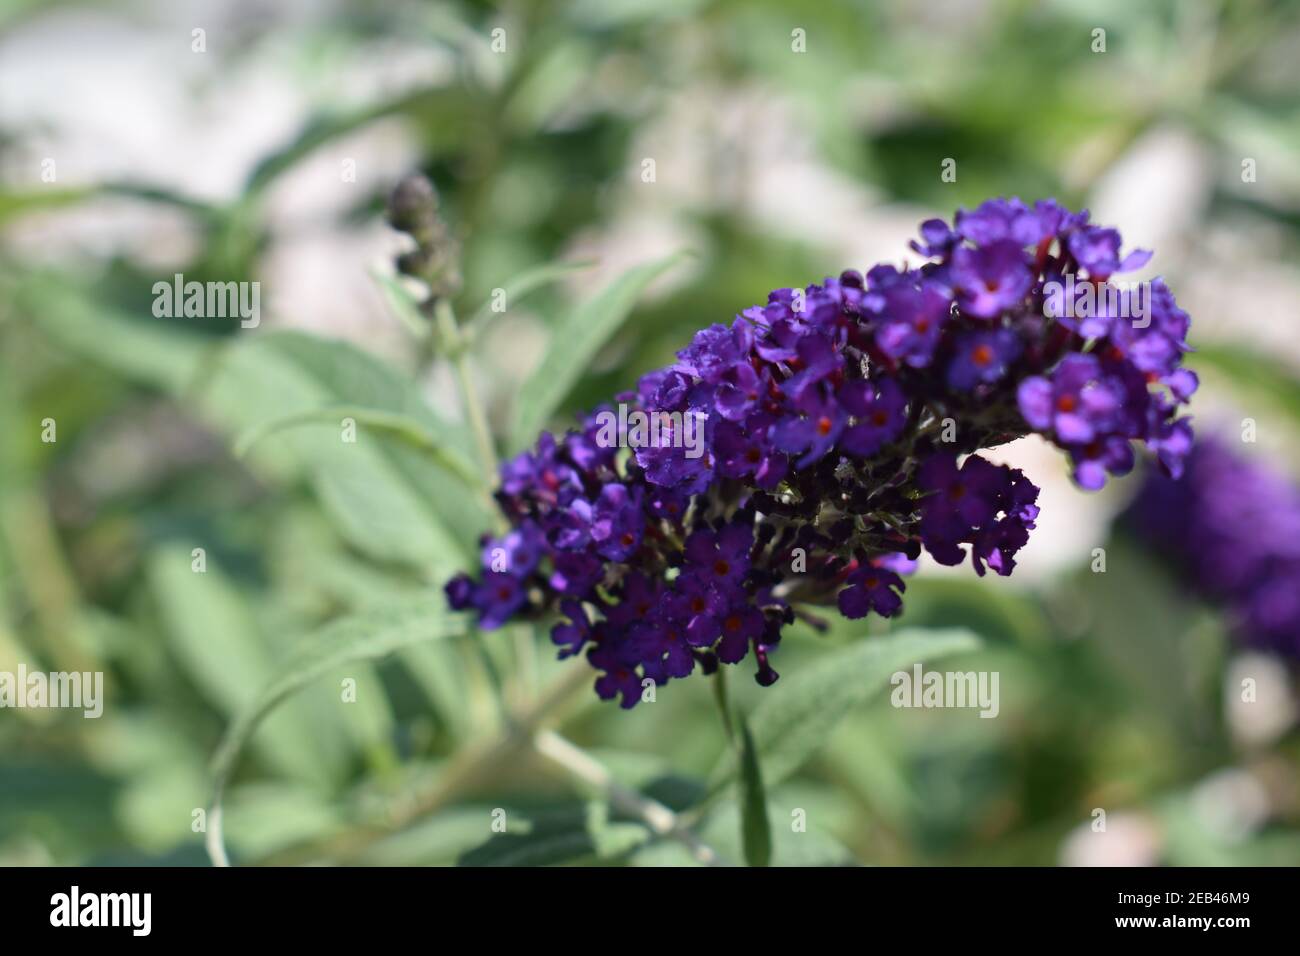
[[1231, 528], [813, 448]]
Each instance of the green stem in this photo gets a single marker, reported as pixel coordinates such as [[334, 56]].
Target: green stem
[[450, 334], [662, 821], [724, 707]]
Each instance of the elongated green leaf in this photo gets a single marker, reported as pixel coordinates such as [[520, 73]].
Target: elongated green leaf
[[382, 494], [517, 288], [211, 632], [402, 426], [151, 352], [755, 828], [567, 834], [574, 343], [1255, 373], [403, 305], [795, 718], [347, 641], [327, 127]]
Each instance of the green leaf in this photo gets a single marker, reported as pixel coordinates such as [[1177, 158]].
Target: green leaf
[[404, 427], [382, 495], [150, 352], [797, 716], [403, 305], [549, 836], [574, 343], [211, 632], [346, 641], [326, 127], [517, 288], [1255, 373], [755, 828]]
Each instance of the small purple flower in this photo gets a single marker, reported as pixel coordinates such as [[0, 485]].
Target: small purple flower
[[1159, 345], [982, 358], [740, 391], [460, 592], [1092, 462], [575, 573], [617, 522], [991, 279], [741, 624], [497, 597], [871, 589], [1076, 405], [1172, 443], [912, 322], [813, 429], [720, 558], [817, 359], [936, 238], [1097, 250], [880, 412], [746, 451], [619, 674], [674, 465], [962, 500], [716, 350], [661, 644], [541, 475], [517, 553], [1000, 220], [572, 635]]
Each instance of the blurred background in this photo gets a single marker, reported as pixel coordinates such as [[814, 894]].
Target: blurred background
[[780, 143]]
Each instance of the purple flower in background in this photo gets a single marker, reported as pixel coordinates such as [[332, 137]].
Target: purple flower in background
[[1231, 527]]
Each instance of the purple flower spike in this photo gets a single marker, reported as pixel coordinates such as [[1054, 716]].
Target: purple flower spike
[[819, 470]]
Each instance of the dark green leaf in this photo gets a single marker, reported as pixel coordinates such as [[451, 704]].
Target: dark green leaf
[[756, 829], [797, 716]]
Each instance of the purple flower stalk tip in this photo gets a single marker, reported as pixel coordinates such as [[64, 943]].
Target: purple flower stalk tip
[[839, 426]]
